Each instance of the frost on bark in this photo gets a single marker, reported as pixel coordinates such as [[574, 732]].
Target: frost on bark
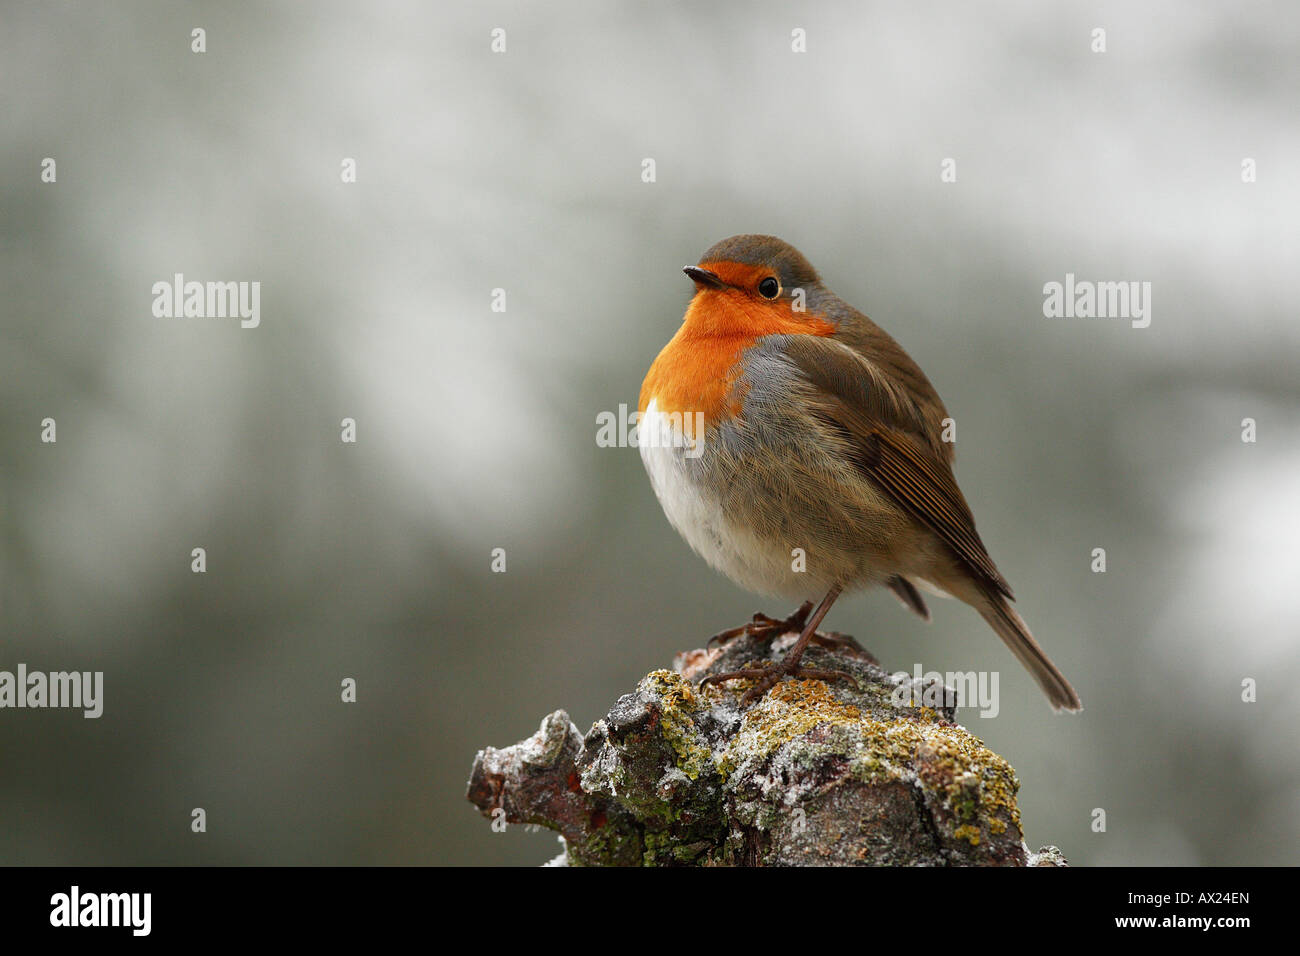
[[875, 772]]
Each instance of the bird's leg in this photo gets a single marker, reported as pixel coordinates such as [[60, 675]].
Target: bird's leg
[[766, 676]]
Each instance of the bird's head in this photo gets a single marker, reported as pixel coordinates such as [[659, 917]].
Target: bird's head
[[756, 285]]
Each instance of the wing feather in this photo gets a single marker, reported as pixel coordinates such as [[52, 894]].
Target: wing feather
[[894, 444]]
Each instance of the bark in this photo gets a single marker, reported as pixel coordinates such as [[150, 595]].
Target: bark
[[871, 772]]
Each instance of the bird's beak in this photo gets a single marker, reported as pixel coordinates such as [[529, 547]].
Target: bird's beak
[[703, 277]]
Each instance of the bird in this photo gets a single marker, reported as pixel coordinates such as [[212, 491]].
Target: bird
[[801, 451]]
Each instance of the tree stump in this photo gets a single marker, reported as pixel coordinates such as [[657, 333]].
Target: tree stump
[[870, 772]]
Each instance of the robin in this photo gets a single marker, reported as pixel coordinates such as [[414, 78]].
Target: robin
[[781, 418]]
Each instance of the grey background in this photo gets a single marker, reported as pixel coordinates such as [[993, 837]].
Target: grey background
[[477, 429]]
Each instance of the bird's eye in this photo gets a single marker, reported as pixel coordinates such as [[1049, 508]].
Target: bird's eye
[[769, 288]]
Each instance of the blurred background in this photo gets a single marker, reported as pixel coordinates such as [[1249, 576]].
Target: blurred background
[[476, 429]]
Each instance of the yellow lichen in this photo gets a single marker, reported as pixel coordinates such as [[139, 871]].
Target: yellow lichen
[[977, 784], [788, 711], [678, 700]]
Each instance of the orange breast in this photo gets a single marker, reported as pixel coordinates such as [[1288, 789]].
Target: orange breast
[[697, 370]]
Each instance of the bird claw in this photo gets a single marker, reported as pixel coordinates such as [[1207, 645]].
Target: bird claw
[[769, 629], [766, 628], [837, 641]]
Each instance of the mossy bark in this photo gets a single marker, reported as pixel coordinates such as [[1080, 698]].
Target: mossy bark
[[814, 773]]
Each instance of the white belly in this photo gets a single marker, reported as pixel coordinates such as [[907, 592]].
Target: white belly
[[695, 510]]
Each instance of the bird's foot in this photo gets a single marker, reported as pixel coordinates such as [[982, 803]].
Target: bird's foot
[[838, 642], [770, 628], [766, 628], [767, 676]]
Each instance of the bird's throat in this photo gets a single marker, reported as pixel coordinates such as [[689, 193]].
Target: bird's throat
[[699, 370]]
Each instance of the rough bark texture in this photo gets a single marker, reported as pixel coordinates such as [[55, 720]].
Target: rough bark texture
[[813, 774]]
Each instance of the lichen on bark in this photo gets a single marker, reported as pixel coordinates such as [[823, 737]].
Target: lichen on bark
[[814, 773]]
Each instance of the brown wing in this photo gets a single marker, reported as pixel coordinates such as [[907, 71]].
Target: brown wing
[[893, 444], [922, 412]]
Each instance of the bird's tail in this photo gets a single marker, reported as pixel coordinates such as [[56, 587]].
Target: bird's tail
[[1002, 617]]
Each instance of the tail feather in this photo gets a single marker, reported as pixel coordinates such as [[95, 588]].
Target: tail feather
[[1002, 617]]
